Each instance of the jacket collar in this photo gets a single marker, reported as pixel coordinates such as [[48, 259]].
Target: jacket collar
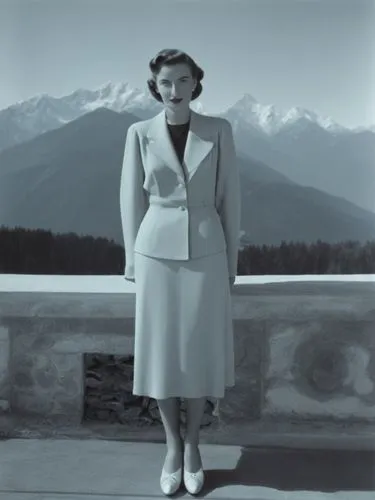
[[198, 143]]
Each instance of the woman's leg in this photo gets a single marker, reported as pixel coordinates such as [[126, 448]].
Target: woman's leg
[[170, 414], [195, 410]]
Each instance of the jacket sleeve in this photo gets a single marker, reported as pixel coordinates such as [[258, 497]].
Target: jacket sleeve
[[228, 196], [133, 198]]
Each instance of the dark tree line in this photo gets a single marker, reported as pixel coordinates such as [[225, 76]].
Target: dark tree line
[[27, 251]]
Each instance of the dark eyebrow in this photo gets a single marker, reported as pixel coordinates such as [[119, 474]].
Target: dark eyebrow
[[165, 80]]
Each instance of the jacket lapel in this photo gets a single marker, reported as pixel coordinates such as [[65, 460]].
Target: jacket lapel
[[197, 145]]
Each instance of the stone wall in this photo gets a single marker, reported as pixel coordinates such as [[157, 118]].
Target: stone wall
[[108, 395], [320, 361], [302, 350], [4, 369]]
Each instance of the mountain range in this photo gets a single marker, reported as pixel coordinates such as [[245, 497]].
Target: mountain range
[[304, 177]]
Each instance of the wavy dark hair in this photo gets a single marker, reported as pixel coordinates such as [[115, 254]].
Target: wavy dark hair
[[170, 57]]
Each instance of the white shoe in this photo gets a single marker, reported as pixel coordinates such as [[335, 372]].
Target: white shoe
[[170, 483], [194, 481]]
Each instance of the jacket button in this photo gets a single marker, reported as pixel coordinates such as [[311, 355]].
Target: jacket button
[[182, 208]]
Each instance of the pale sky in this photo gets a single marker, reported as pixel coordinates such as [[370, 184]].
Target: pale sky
[[316, 54]]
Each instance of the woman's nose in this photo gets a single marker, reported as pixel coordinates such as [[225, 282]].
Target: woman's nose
[[174, 92]]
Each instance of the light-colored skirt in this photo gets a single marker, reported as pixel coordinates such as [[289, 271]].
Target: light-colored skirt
[[183, 328]]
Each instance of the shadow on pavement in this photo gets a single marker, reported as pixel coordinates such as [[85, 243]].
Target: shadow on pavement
[[288, 470]]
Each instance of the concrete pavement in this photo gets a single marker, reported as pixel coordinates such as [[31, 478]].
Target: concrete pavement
[[68, 469]]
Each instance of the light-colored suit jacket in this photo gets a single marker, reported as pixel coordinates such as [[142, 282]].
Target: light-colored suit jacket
[[168, 214]]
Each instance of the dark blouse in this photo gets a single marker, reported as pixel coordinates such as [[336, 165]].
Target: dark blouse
[[179, 135]]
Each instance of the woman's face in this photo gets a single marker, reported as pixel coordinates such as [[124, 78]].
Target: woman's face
[[175, 82]]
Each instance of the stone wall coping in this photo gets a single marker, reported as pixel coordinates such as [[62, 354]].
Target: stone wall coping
[[117, 283], [113, 297]]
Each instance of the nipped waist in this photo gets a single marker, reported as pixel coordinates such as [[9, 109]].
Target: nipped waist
[[180, 204]]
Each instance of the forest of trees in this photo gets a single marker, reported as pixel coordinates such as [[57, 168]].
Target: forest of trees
[[27, 251]]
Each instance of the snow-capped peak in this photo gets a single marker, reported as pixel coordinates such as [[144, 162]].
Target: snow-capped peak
[[298, 113], [246, 100], [41, 111], [113, 89], [271, 119]]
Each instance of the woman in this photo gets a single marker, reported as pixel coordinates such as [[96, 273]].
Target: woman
[[180, 211]]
